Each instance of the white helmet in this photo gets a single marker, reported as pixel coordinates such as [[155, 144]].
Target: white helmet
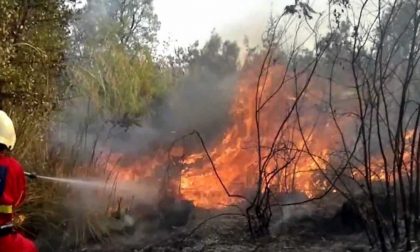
[[7, 131]]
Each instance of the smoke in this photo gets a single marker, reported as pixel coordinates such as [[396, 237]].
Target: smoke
[[201, 100], [201, 103], [198, 103], [290, 213]]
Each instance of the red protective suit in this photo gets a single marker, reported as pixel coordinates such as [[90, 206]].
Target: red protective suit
[[12, 197]]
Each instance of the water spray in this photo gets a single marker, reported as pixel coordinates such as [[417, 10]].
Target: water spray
[[83, 183], [144, 192], [78, 182]]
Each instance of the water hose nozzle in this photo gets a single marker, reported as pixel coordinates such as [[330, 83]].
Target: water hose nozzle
[[31, 175]]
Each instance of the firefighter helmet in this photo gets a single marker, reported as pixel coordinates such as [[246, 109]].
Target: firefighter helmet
[[7, 131]]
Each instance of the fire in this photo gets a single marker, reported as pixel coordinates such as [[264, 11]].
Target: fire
[[235, 156], [377, 165]]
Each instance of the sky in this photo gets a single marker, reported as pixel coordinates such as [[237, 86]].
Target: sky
[[185, 21]]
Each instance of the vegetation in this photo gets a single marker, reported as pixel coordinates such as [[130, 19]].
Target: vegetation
[[384, 143], [34, 36], [56, 55], [112, 63], [118, 84]]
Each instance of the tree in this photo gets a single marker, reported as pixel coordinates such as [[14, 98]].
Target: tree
[[217, 57], [130, 23], [33, 41], [113, 65], [33, 37], [397, 40], [383, 56], [120, 86]]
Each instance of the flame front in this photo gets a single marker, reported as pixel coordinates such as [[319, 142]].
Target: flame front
[[236, 155]]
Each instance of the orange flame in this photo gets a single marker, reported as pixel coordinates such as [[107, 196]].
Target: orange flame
[[236, 156]]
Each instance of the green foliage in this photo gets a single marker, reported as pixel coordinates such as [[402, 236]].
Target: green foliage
[[33, 40], [113, 68], [119, 84]]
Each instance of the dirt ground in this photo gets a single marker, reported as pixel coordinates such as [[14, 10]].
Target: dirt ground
[[297, 229], [229, 235]]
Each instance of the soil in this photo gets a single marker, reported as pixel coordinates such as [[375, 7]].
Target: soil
[[330, 224], [308, 227]]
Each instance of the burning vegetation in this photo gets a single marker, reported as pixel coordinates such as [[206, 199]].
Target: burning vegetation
[[233, 154], [314, 134]]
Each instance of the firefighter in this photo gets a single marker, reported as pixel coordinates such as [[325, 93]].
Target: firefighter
[[12, 191]]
